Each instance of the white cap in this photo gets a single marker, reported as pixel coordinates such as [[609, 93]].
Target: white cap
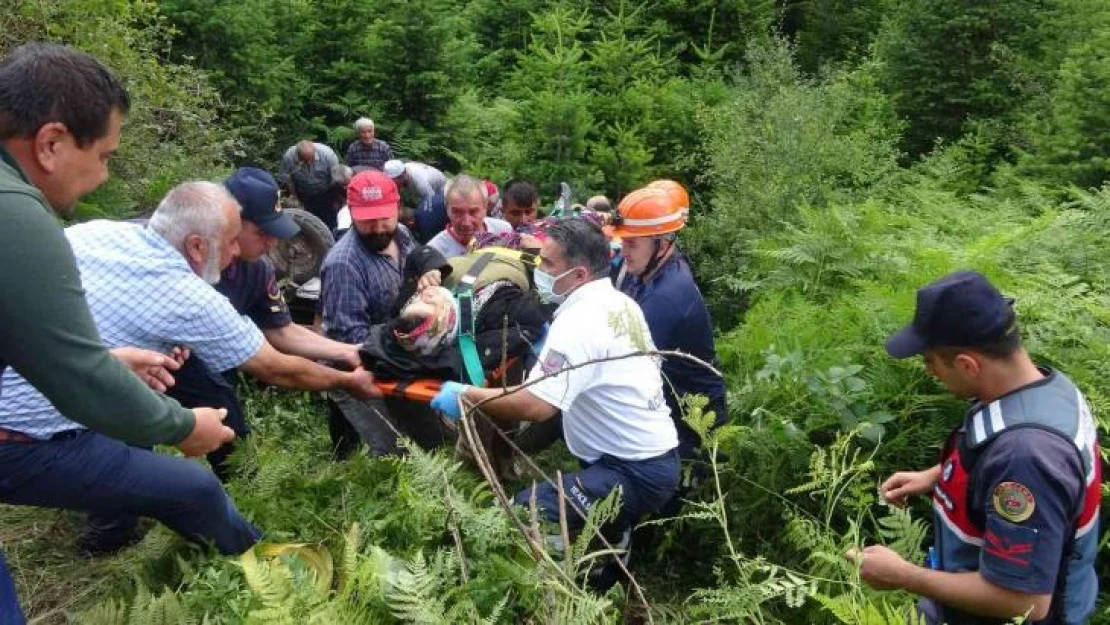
[[394, 168]]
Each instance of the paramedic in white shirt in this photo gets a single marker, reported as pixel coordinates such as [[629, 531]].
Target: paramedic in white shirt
[[615, 419]]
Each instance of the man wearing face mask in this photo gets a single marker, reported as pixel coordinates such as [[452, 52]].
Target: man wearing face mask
[[615, 418], [658, 277], [360, 280]]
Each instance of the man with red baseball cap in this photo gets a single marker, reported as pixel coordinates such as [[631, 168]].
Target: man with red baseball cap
[[360, 280]]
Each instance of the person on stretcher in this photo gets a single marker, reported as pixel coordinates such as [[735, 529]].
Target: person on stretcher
[[484, 297]]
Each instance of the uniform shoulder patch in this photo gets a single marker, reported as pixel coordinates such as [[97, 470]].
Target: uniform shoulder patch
[[272, 290], [1013, 501], [553, 362]]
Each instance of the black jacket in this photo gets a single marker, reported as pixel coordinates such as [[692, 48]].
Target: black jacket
[[508, 324]]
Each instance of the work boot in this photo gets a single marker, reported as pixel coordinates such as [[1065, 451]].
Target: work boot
[[93, 543], [604, 576]]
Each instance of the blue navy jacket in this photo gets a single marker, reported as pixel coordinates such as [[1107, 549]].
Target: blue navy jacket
[[679, 320], [1018, 495]]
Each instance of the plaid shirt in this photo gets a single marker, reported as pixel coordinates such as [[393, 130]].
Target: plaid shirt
[[142, 293], [374, 155], [358, 287]]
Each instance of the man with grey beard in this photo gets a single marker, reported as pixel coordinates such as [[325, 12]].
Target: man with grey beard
[[150, 287]]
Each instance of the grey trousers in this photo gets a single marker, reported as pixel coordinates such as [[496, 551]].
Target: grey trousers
[[372, 419]]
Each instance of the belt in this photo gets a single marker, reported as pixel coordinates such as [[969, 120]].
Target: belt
[[11, 436]]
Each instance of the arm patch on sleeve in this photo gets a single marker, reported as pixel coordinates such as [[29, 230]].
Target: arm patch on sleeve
[[553, 362], [1009, 549], [1013, 501]]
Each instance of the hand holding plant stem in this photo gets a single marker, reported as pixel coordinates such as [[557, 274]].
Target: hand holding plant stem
[[901, 485]]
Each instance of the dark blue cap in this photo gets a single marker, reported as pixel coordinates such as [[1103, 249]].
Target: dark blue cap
[[962, 309], [257, 192]]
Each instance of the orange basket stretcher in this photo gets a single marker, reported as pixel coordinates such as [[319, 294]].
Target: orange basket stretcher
[[424, 389]]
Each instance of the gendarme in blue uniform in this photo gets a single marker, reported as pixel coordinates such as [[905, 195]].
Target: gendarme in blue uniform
[[252, 288], [679, 320], [1017, 499]]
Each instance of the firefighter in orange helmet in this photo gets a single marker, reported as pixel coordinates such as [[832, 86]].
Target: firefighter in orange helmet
[[656, 274], [676, 191]]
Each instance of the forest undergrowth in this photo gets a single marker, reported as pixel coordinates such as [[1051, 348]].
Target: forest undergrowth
[[819, 415]]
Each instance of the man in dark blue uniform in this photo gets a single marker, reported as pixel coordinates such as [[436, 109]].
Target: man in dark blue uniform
[[251, 286], [1016, 492], [657, 276]]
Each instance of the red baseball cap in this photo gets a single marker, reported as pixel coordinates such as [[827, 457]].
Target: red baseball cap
[[372, 195]]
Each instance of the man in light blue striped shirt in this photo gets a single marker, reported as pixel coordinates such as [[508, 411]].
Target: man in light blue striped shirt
[[150, 287]]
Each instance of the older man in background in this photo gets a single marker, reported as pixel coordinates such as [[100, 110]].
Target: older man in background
[[419, 180], [467, 202], [308, 173], [367, 152]]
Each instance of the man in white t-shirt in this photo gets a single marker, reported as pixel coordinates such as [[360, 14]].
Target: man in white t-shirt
[[466, 199], [615, 417]]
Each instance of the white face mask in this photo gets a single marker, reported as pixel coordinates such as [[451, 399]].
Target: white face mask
[[545, 286]]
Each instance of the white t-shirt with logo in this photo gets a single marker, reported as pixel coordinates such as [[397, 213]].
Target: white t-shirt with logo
[[616, 407], [446, 244]]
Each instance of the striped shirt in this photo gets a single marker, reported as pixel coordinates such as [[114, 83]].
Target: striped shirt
[[358, 287], [374, 155], [142, 293]]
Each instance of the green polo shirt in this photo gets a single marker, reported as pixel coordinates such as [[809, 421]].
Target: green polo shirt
[[47, 333]]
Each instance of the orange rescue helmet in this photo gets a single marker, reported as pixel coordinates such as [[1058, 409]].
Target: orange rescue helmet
[[648, 212], [676, 191]]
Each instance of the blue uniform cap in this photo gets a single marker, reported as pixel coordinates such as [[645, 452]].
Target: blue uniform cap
[[962, 309], [257, 193]]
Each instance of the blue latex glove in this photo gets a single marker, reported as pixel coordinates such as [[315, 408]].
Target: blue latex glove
[[541, 340], [447, 399]]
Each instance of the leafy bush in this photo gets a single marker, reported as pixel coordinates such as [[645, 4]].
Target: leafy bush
[[1068, 129], [173, 132], [778, 143]]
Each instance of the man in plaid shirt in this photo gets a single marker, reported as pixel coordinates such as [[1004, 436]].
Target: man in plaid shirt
[[150, 287], [360, 280], [367, 152]]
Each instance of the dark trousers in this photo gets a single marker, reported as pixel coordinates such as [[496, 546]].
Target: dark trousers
[[198, 386], [646, 485], [92, 472], [326, 205], [10, 613], [372, 419]]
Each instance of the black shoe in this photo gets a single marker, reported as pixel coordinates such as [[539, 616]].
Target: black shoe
[[603, 577], [91, 544]]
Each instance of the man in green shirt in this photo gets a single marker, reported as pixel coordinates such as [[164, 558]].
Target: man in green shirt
[[60, 117]]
